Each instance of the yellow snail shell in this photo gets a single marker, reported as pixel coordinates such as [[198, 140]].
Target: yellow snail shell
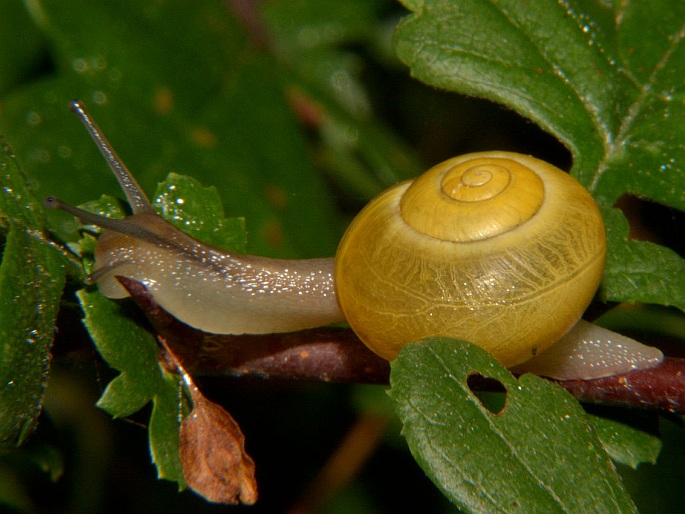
[[496, 248]]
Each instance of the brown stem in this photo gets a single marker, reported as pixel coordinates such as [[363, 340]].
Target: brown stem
[[337, 355], [661, 387], [328, 354]]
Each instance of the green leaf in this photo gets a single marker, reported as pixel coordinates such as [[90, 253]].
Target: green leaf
[[21, 43], [199, 212], [32, 275], [17, 202], [227, 123], [132, 350], [170, 406], [640, 271], [539, 454], [140, 375], [624, 443], [326, 85], [607, 81]]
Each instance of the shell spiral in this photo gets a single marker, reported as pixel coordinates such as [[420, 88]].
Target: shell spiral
[[496, 248]]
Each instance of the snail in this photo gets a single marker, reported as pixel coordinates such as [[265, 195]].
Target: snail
[[497, 248]]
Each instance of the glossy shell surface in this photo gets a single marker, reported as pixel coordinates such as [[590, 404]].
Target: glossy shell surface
[[496, 248]]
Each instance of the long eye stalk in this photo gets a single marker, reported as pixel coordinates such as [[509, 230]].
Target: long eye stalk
[[134, 194]]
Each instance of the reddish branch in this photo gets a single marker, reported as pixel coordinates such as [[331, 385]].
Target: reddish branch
[[337, 355], [328, 354], [661, 387]]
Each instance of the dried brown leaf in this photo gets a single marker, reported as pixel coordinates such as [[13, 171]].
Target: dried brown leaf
[[212, 446], [215, 463]]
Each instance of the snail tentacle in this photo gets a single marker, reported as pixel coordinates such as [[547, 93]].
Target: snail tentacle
[[134, 193]]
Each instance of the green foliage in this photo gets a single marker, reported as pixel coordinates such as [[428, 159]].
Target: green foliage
[[573, 70], [231, 127], [275, 115], [32, 276], [198, 211], [141, 379], [22, 38], [626, 444], [606, 80], [538, 454]]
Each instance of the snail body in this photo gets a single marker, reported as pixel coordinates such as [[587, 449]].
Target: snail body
[[496, 248], [239, 294], [205, 287]]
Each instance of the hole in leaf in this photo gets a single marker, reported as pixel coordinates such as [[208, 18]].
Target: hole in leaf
[[651, 221], [490, 392]]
